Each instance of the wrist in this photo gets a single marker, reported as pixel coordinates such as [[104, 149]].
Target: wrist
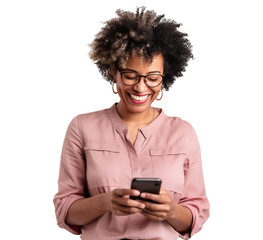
[[180, 218], [172, 213], [105, 203]]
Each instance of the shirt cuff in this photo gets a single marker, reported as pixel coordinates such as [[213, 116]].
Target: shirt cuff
[[194, 227], [71, 228]]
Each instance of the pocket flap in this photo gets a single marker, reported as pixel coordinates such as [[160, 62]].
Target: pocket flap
[[102, 147], [166, 151]]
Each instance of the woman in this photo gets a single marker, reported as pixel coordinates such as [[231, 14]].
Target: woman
[[140, 54]]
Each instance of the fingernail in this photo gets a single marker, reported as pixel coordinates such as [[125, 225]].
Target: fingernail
[[136, 193], [143, 195], [142, 205]]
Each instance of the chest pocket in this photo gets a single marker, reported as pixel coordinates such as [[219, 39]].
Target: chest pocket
[[168, 164], [102, 166]]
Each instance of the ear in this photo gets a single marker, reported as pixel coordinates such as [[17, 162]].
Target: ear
[[113, 72]]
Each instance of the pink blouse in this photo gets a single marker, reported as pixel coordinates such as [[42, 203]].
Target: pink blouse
[[97, 157]]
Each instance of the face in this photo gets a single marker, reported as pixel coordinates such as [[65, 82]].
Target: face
[[138, 98]]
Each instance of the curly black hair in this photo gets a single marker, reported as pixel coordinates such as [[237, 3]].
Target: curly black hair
[[143, 33]]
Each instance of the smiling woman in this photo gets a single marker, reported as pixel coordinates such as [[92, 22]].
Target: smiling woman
[[141, 53], [137, 97]]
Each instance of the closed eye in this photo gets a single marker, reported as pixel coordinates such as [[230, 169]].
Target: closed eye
[[152, 79]]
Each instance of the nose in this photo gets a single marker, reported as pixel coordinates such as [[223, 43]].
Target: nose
[[141, 85]]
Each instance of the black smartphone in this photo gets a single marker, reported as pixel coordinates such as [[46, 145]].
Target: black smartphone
[[150, 185]]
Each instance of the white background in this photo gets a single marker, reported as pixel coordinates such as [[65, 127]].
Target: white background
[[47, 79]]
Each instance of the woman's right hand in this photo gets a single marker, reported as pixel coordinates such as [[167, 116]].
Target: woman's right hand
[[120, 203]]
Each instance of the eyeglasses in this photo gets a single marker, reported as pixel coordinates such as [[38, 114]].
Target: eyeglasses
[[131, 78]]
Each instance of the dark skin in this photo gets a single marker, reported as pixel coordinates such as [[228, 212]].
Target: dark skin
[[118, 201], [165, 209]]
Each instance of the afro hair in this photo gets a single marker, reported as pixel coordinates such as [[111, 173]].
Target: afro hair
[[143, 33]]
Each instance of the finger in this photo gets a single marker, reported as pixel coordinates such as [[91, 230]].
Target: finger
[[158, 213], [121, 213], [154, 197], [125, 210], [124, 191], [163, 197], [162, 191], [127, 202], [152, 217], [157, 207]]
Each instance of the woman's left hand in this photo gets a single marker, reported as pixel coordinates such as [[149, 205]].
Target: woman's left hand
[[160, 210]]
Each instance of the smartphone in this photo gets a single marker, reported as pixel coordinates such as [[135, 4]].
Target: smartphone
[[150, 185]]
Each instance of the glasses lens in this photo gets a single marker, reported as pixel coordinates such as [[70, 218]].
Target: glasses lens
[[130, 78], [154, 80]]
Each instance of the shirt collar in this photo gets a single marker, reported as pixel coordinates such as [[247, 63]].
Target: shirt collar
[[116, 121], [146, 131]]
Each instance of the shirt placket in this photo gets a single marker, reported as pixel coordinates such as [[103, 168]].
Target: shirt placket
[[134, 151]]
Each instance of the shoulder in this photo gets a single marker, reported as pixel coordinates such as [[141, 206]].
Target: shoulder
[[87, 119], [91, 125], [92, 115], [176, 132], [177, 124], [92, 119], [173, 131]]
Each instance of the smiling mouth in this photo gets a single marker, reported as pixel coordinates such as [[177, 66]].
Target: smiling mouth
[[138, 99]]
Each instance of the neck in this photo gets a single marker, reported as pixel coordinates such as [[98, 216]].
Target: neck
[[135, 118]]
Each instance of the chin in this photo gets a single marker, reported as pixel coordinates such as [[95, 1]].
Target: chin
[[138, 108]]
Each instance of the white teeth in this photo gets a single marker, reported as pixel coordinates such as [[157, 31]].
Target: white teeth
[[138, 98]]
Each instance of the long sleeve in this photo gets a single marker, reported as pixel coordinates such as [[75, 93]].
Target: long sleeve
[[194, 195], [72, 177], [97, 157]]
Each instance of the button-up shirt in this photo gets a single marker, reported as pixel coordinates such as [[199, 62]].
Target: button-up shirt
[[98, 156]]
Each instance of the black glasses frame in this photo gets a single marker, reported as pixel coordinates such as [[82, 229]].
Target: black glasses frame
[[140, 76]]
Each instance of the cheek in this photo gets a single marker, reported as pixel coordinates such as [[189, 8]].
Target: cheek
[[119, 85], [156, 93], [121, 90]]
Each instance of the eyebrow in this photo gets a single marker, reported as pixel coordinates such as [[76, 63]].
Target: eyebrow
[[127, 69]]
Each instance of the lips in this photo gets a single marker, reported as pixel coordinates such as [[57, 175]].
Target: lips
[[138, 99]]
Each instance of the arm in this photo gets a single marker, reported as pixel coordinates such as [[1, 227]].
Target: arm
[[74, 207], [72, 177], [179, 217], [84, 211], [194, 194], [187, 216]]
